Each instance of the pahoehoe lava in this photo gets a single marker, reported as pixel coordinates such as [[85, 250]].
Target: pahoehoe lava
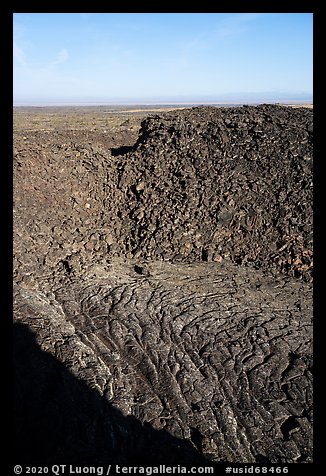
[[171, 277]]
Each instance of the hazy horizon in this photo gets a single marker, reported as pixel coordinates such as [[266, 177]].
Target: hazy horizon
[[223, 99]]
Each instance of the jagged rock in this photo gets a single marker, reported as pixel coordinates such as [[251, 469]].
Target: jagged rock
[[169, 278]]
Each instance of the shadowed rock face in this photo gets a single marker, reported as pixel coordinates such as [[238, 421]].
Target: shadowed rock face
[[214, 355], [60, 420], [174, 282]]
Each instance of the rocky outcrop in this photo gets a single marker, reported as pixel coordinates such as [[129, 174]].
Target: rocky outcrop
[[204, 184], [209, 184], [169, 283], [216, 356]]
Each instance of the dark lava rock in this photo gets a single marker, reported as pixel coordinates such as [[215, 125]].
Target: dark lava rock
[[188, 363], [163, 294], [236, 182], [200, 184]]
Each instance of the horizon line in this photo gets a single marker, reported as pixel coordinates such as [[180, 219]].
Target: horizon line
[[57, 103]]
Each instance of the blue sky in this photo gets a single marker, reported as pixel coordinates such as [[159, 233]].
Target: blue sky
[[150, 57]]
